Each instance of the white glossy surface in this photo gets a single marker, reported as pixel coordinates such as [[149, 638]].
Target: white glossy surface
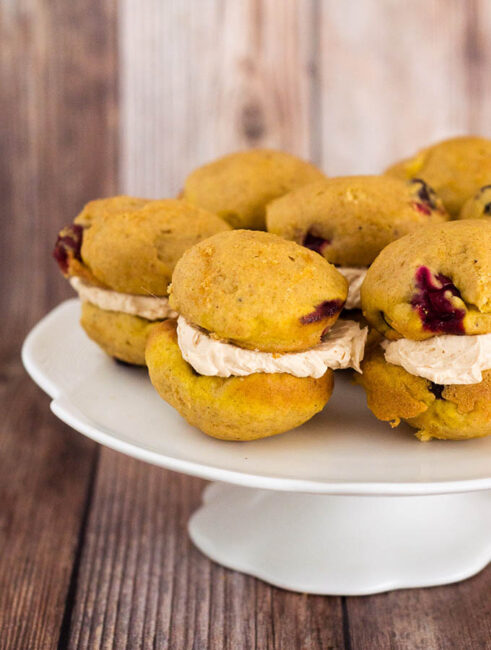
[[344, 545], [344, 450]]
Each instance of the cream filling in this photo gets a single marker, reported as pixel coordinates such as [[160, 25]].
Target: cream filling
[[149, 307], [355, 277], [343, 347], [447, 359]]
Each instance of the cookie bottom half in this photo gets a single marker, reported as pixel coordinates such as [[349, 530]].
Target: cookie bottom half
[[452, 412], [233, 408], [120, 335]]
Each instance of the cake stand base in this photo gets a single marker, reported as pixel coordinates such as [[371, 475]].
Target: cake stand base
[[344, 545]]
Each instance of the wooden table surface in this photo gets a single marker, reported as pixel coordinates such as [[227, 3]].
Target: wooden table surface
[[93, 545]]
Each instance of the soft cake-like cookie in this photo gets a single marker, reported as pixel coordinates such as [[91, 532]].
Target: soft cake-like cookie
[[258, 290], [136, 252], [232, 408], [349, 220], [121, 264], [451, 412], [478, 206], [429, 295], [256, 340], [434, 281], [111, 205], [455, 169], [238, 186]]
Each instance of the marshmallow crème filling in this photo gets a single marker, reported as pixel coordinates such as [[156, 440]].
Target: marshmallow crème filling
[[343, 347], [355, 276], [148, 307], [446, 359]]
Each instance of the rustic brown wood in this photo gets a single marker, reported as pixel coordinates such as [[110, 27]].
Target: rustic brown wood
[[94, 551], [57, 139], [142, 584], [45, 474], [457, 617]]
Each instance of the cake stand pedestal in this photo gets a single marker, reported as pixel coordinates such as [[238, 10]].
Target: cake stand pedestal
[[344, 545]]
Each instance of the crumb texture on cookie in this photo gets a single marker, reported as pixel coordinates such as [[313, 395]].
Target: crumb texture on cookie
[[136, 252], [120, 335], [258, 291], [455, 169], [434, 281], [238, 186], [453, 412], [111, 205], [235, 408], [349, 220]]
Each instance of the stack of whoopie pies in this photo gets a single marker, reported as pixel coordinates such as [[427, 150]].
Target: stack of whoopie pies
[[242, 330]]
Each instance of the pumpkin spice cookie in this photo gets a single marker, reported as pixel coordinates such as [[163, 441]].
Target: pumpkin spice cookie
[[455, 169], [478, 206], [252, 352], [429, 295], [121, 266], [238, 186], [434, 281], [111, 205], [349, 220], [436, 410]]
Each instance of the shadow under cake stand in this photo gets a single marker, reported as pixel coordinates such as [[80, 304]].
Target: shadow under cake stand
[[342, 505]]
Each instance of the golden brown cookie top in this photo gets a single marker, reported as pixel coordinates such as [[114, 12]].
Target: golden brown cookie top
[[434, 281], [454, 168], [111, 205], [350, 219], [258, 291], [136, 252], [238, 186]]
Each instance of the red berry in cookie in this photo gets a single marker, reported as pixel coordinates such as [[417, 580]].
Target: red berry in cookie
[[434, 303], [315, 243], [68, 246]]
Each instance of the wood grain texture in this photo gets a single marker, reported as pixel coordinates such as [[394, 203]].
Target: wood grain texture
[[394, 77], [57, 106], [143, 585], [200, 79], [457, 617], [94, 550], [45, 474]]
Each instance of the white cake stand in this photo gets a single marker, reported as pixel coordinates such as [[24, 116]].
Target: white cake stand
[[342, 505]]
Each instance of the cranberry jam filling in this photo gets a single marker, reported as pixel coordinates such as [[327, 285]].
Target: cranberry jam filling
[[317, 244], [425, 193], [426, 197], [422, 207], [326, 309], [434, 305], [69, 242]]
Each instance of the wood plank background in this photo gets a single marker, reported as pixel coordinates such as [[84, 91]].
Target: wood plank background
[[100, 96]]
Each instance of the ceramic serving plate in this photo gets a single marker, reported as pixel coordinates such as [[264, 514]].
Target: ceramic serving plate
[[343, 450], [342, 505]]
